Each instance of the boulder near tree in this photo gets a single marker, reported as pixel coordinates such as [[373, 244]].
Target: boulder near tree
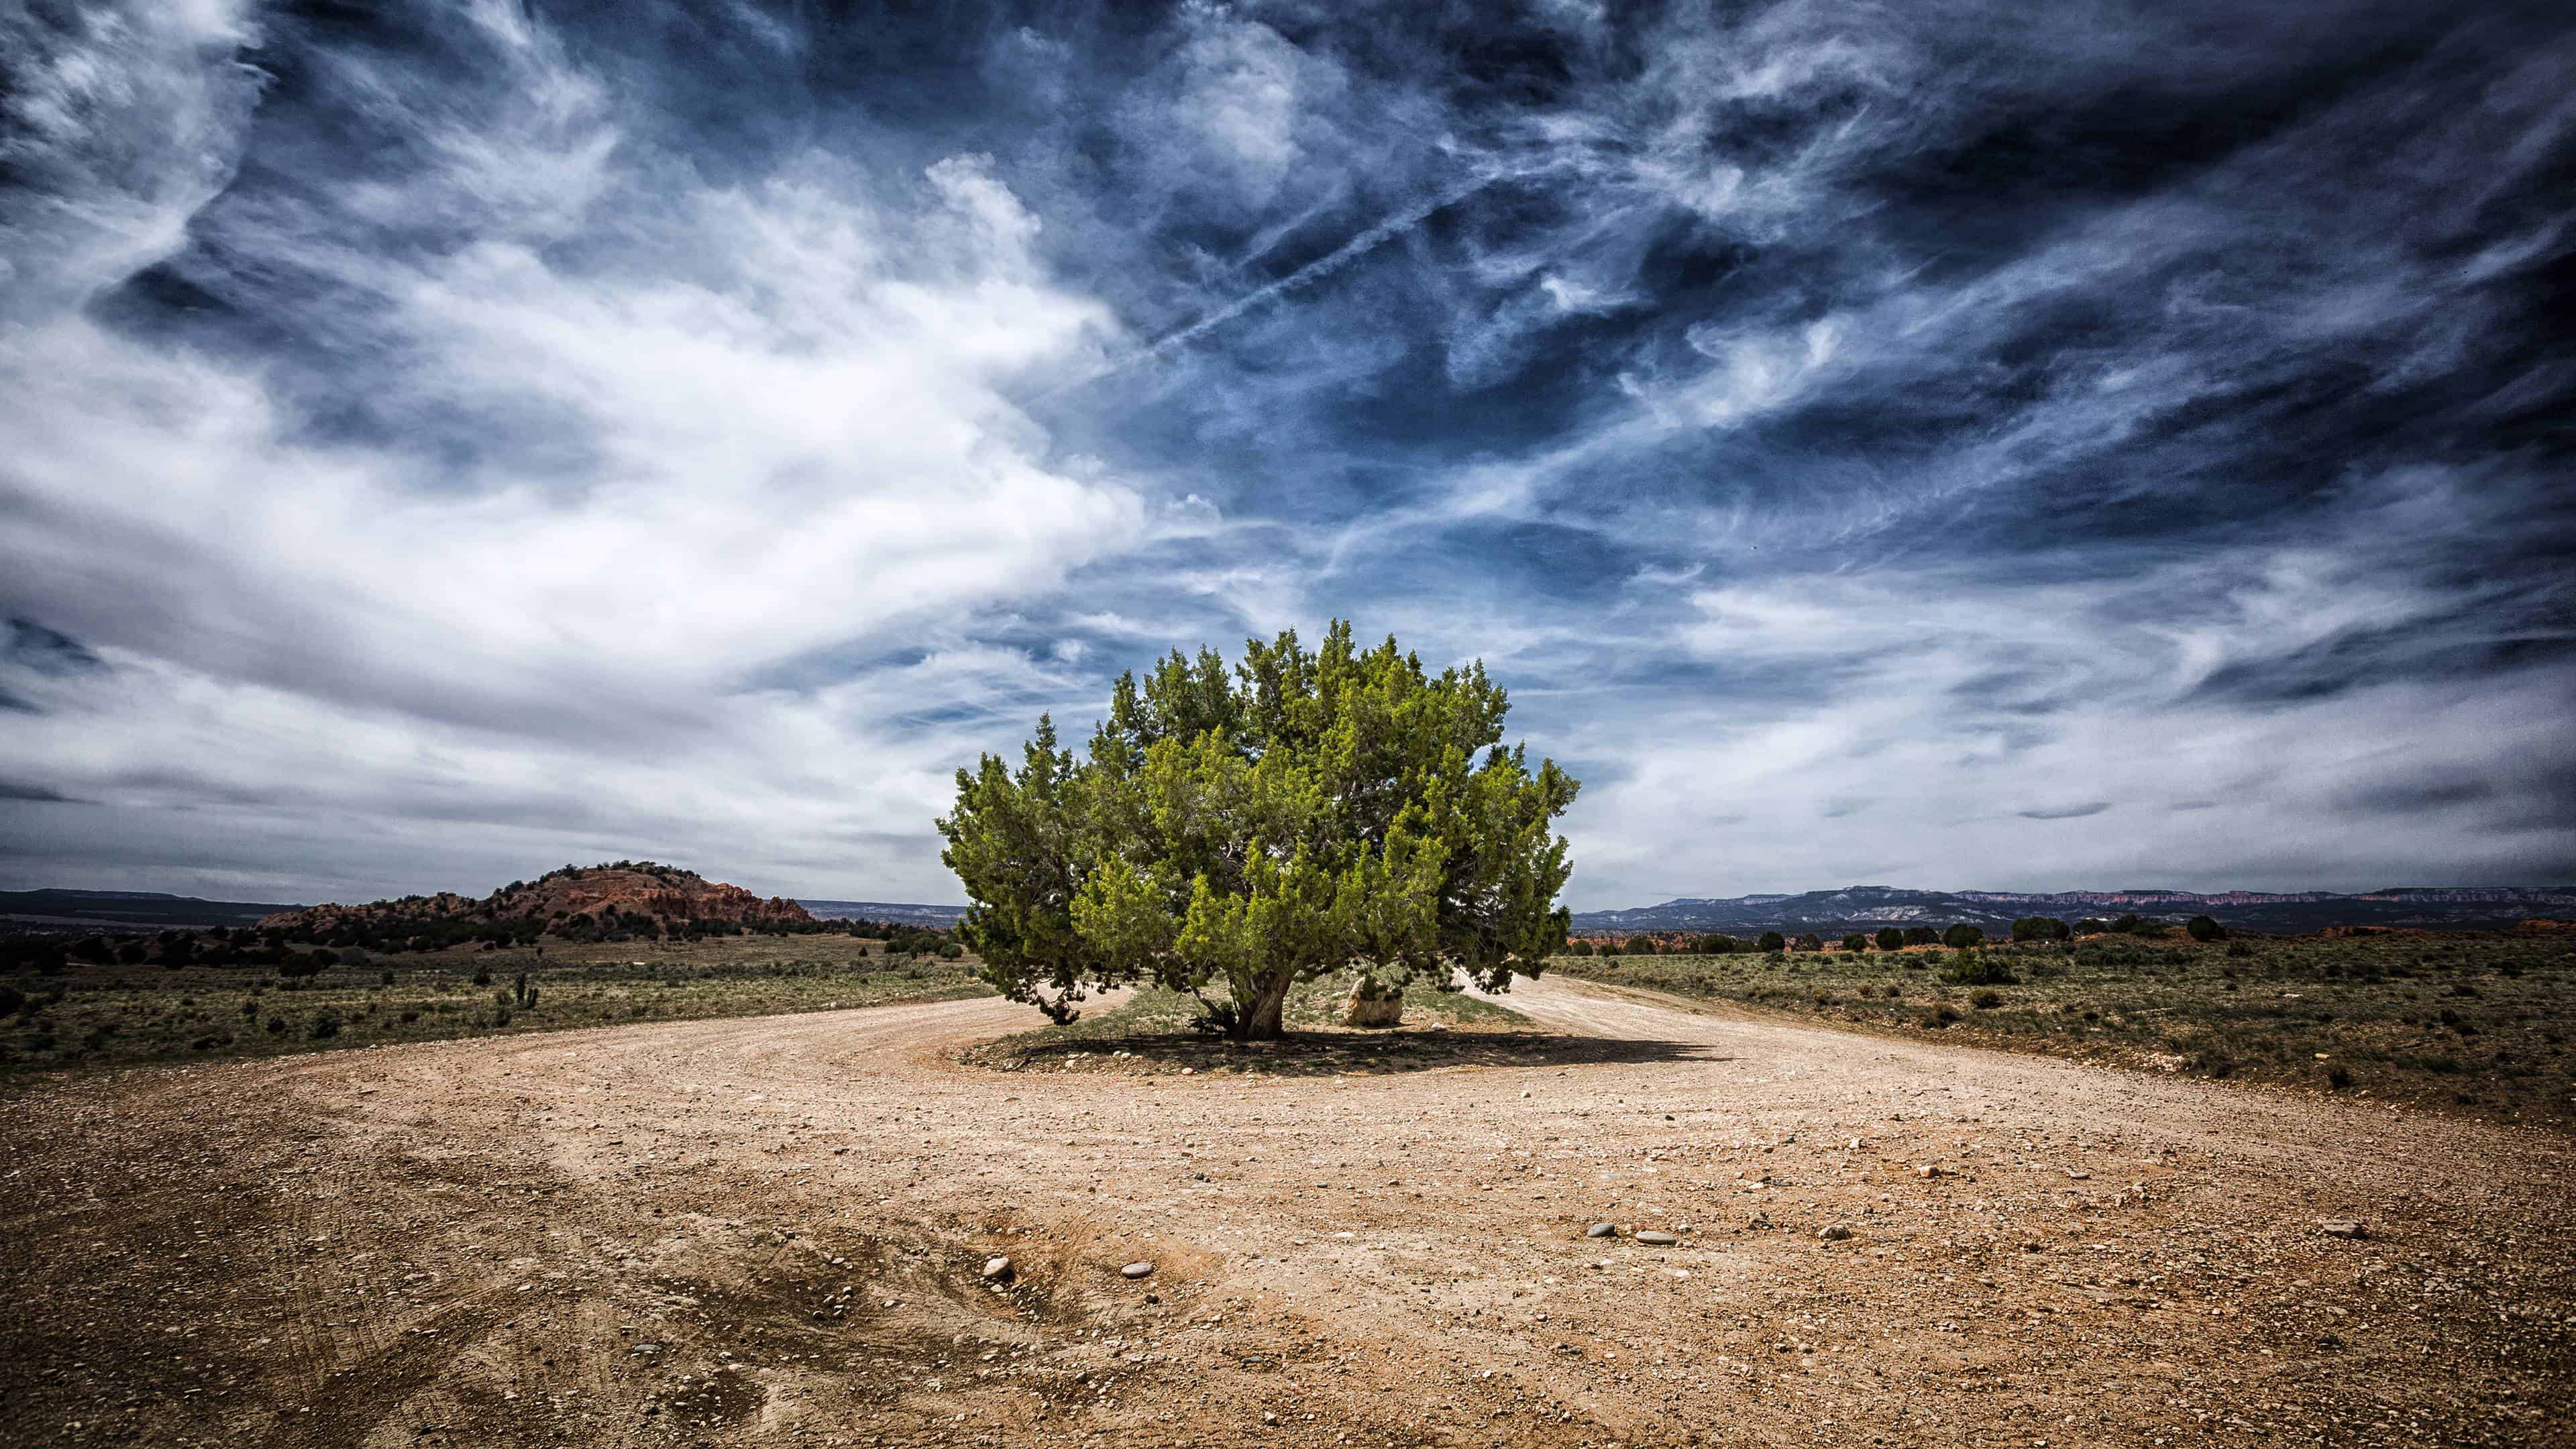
[[1302, 814]]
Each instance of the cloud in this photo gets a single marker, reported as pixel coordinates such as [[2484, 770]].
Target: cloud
[[454, 440]]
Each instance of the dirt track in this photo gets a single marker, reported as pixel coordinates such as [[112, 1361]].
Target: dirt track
[[772, 1231]]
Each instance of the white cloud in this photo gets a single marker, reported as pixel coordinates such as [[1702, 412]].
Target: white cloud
[[740, 424]]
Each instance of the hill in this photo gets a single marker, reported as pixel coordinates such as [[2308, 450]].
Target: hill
[[130, 910], [1873, 906], [628, 889]]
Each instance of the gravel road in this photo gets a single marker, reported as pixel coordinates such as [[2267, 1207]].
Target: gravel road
[[777, 1231]]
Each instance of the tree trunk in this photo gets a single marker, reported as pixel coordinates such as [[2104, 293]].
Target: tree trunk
[[1259, 1019]]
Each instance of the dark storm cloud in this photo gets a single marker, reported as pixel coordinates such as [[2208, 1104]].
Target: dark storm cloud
[[696, 427]]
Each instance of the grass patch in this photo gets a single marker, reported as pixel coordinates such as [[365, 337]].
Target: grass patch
[[2459, 1019], [98, 1016]]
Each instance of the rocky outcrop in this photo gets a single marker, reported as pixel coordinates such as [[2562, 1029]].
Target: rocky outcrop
[[626, 888]]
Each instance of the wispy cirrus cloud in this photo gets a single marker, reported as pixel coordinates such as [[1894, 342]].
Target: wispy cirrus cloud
[[1977, 448]]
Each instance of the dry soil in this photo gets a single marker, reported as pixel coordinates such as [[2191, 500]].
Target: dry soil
[[775, 1231]]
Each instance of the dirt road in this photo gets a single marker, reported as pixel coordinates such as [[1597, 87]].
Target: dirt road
[[775, 1231]]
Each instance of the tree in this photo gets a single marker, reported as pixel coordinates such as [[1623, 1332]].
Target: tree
[[1890, 938], [1307, 813], [1810, 941], [2129, 925], [1856, 942], [2091, 927], [2205, 928], [1962, 937], [1717, 944], [2040, 928], [1922, 936], [1773, 941]]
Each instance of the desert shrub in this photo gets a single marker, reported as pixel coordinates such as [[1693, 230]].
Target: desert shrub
[[1810, 941], [276, 1026], [1962, 937], [1718, 944], [11, 998], [1578, 948], [1856, 942], [1922, 936], [951, 952], [2241, 949], [325, 1025], [1976, 968], [1890, 938], [1987, 1000], [2040, 928], [407, 1014], [1773, 941], [301, 965], [2338, 1076], [385, 977], [2205, 928], [482, 975], [1942, 1016]]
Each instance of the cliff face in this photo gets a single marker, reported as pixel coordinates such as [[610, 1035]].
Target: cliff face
[[630, 888]]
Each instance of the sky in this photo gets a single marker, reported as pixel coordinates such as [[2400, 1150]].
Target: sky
[[1946, 444]]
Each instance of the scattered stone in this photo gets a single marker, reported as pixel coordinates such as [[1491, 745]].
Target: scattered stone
[[997, 1268], [1600, 1230], [1833, 1233], [1932, 1169], [2341, 1228], [1137, 1270], [1656, 1239], [2077, 1173]]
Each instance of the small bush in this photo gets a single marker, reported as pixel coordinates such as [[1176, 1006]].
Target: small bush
[[1975, 968], [1890, 938], [482, 975], [326, 1024], [1774, 941], [2205, 928], [1962, 937], [1856, 942], [1987, 1000]]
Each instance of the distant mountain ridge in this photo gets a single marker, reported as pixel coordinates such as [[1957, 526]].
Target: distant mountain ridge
[[1855, 906], [940, 917], [130, 910]]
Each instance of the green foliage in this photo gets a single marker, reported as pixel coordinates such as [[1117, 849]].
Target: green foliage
[[1299, 815], [2205, 928], [1773, 941], [1922, 936], [1810, 941], [1890, 938], [1718, 944], [1963, 937], [1978, 968], [2040, 928], [1856, 941]]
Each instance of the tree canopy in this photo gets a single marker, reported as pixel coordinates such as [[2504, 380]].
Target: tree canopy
[[1303, 813]]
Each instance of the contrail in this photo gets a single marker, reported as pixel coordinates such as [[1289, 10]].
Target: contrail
[[1324, 266]]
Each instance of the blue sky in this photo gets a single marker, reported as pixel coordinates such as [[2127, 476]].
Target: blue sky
[[1948, 445]]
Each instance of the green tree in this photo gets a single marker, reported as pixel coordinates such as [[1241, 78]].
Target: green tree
[[1963, 936], [1773, 941], [1922, 936], [1716, 944], [1856, 942], [2040, 928], [2205, 928], [1305, 813], [1810, 941], [1890, 938]]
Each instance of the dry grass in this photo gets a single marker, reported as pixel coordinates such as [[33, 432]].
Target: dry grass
[[2470, 1020], [94, 1016]]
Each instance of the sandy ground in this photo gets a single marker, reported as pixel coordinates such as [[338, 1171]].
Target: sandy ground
[[775, 1231]]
